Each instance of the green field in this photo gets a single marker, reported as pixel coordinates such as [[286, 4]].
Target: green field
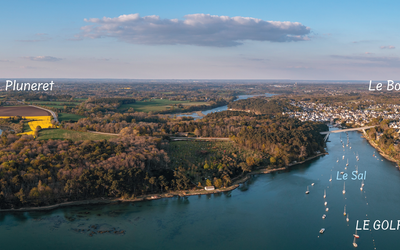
[[54, 104], [26, 127], [196, 153], [67, 117], [156, 105], [62, 134]]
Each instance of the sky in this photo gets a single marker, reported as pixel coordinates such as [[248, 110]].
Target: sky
[[161, 39]]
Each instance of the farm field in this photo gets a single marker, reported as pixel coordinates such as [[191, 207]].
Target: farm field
[[157, 105], [22, 111], [62, 134], [67, 117]]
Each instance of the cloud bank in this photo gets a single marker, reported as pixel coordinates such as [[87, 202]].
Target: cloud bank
[[195, 29], [388, 47], [43, 58]]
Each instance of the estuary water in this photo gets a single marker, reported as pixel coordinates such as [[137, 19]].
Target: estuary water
[[269, 211], [222, 108]]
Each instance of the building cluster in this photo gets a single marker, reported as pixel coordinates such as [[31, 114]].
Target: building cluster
[[341, 114]]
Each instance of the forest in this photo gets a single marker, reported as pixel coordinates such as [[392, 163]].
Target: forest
[[144, 158]]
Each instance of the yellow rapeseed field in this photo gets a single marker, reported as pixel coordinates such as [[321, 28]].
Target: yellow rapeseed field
[[42, 121]]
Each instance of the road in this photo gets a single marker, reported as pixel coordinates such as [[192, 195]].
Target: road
[[199, 138], [51, 112]]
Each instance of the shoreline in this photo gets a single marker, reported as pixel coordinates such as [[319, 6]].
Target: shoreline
[[149, 197], [380, 151]]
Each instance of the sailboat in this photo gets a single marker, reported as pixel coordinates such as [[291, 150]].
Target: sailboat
[[356, 235], [324, 193], [344, 212], [354, 243], [307, 192], [344, 188]]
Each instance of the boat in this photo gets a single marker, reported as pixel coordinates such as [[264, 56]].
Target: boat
[[322, 230], [330, 178], [354, 243], [312, 184], [342, 172], [343, 157], [337, 160], [324, 216], [347, 219], [344, 212], [327, 209], [326, 203], [307, 192], [344, 188], [356, 235], [362, 183], [324, 193], [347, 162]]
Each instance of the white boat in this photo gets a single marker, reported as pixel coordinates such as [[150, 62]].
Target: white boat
[[312, 184], [343, 157], [354, 243], [356, 235], [327, 209], [344, 188], [330, 178], [342, 172], [324, 216], [307, 192], [324, 193], [362, 183], [347, 219], [322, 230], [347, 162], [344, 212], [326, 203]]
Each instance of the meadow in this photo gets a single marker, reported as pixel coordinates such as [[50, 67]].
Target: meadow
[[55, 104], [204, 158], [67, 117], [63, 134], [157, 105]]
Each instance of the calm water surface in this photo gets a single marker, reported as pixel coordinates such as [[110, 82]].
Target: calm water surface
[[268, 212], [223, 108]]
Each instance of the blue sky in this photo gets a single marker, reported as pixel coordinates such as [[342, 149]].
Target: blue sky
[[320, 40]]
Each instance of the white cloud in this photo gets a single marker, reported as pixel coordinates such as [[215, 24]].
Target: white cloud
[[387, 47], [43, 58], [195, 29]]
